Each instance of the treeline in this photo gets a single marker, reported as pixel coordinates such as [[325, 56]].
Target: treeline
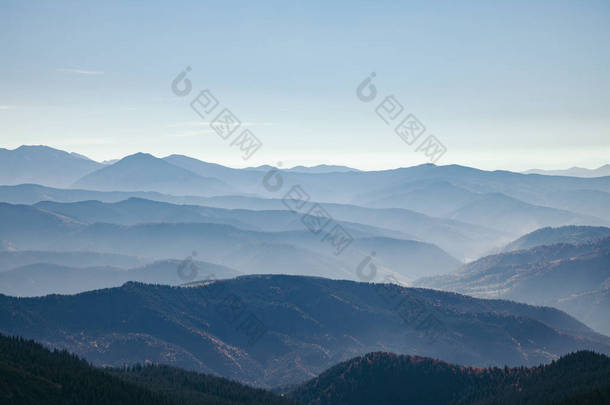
[[32, 374], [195, 388], [384, 378]]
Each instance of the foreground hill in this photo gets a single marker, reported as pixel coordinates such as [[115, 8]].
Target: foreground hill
[[31, 374], [275, 330], [384, 378], [574, 278]]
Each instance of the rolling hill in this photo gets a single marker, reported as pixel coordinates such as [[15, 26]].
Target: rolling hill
[[565, 234]]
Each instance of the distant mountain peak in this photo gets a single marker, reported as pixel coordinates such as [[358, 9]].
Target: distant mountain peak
[[36, 147], [139, 156]]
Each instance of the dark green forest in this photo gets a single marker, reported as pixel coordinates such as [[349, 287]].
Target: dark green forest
[[384, 378], [32, 374]]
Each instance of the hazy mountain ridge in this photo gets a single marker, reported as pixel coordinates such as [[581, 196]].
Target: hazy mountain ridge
[[136, 211], [246, 250], [16, 258], [566, 234], [512, 203], [144, 172], [574, 172], [39, 279], [458, 238], [43, 165], [558, 275]]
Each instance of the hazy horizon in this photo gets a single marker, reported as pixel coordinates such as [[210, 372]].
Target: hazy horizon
[[512, 86], [284, 165]]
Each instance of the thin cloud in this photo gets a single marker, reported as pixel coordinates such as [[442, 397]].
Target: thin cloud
[[84, 141], [183, 134], [7, 107], [207, 123], [81, 71]]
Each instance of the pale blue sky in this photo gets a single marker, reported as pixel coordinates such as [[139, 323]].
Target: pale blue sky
[[510, 85]]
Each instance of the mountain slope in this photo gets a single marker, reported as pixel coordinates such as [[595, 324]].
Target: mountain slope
[[31, 374], [436, 198], [238, 178], [555, 275], [499, 211], [272, 330], [384, 378], [43, 165], [144, 172]]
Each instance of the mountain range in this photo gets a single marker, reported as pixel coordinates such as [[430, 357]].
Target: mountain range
[[272, 330], [175, 262], [574, 172], [286, 248], [43, 165]]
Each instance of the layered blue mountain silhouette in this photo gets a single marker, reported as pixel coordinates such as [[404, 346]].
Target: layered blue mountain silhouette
[[93, 258]]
